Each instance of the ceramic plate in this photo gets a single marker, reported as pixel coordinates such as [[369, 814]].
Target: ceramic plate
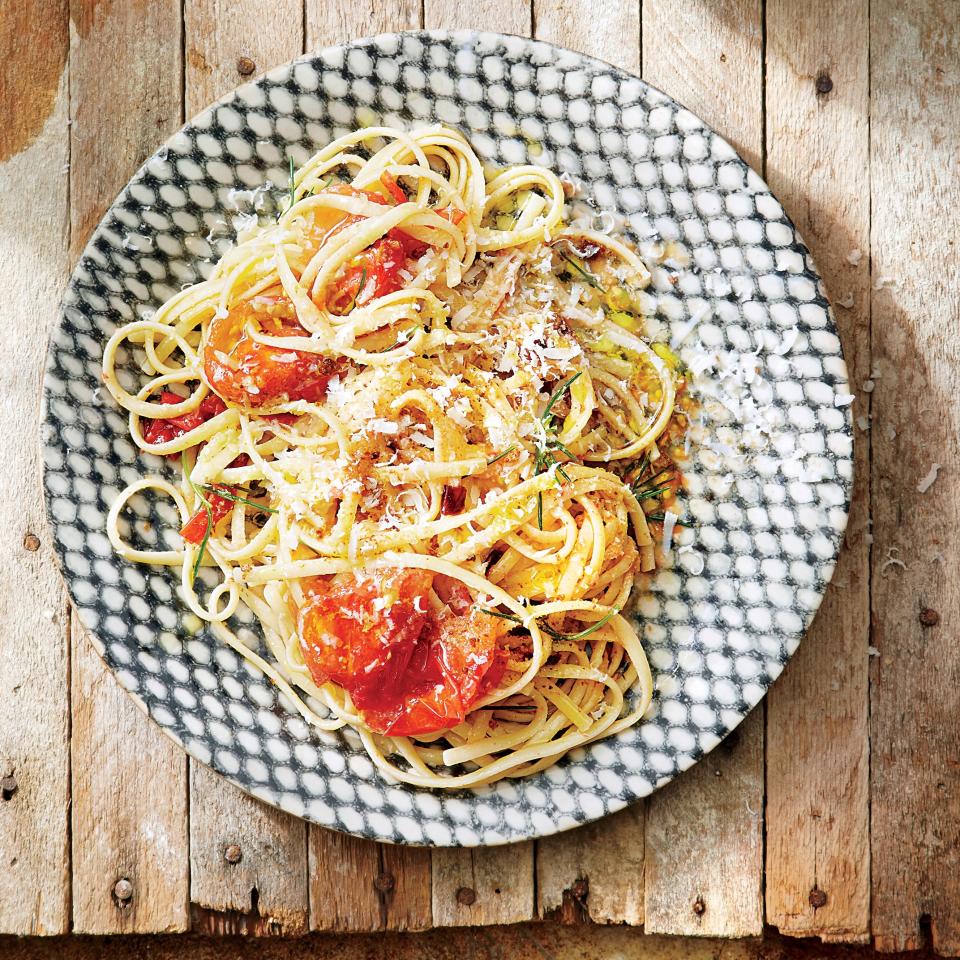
[[770, 469]]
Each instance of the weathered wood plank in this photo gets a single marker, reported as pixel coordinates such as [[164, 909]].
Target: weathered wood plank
[[130, 853], [594, 873], [611, 32], [707, 54], [483, 885], [265, 891], [248, 861], [704, 841], [225, 44], [337, 21], [502, 16], [356, 884], [818, 846], [34, 699], [915, 679], [129, 816]]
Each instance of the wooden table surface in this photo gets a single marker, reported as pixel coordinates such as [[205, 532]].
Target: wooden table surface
[[834, 810]]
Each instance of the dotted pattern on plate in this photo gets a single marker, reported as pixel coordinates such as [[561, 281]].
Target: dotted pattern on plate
[[768, 485]]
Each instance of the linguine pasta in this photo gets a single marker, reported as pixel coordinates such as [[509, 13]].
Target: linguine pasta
[[417, 422]]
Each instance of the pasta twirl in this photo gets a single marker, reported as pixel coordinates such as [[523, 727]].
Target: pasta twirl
[[417, 420]]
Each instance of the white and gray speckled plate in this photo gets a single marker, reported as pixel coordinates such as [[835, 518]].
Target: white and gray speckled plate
[[768, 483]]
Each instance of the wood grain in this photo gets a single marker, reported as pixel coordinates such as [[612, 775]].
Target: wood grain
[[596, 872], [223, 47], [483, 885], [129, 809], [248, 861], [34, 697], [611, 32], [818, 849], [704, 840], [129, 781], [337, 21], [707, 55], [357, 884], [266, 892], [502, 16], [704, 849], [915, 679]]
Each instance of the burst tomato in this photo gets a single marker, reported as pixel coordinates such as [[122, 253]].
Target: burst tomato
[[410, 671], [243, 371], [373, 272]]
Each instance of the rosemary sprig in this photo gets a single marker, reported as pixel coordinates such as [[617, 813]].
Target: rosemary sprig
[[654, 492], [661, 518], [360, 286], [545, 456], [584, 272], [547, 415], [500, 456], [229, 495], [555, 634], [293, 186], [206, 536]]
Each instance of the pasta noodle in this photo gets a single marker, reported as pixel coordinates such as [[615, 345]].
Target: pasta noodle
[[419, 427]]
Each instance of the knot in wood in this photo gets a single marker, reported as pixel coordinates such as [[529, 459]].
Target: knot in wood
[[31, 542], [245, 66], [8, 787], [232, 853], [823, 83], [123, 890], [817, 898], [699, 907], [466, 896], [929, 617], [385, 882]]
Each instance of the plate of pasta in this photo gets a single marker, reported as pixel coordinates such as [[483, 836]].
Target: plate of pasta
[[447, 438]]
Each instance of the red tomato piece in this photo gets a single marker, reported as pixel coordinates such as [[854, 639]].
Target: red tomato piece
[[162, 430], [246, 372], [373, 272], [361, 633], [410, 671], [195, 529], [445, 676]]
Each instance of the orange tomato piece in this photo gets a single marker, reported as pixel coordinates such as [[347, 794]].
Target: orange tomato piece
[[243, 371]]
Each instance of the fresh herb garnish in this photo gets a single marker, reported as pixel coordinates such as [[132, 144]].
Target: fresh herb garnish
[[545, 456], [584, 272], [360, 286], [661, 518], [293, 187], [206, 536], [228, 495], [500, 456], [547, 415], [555, 634]]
